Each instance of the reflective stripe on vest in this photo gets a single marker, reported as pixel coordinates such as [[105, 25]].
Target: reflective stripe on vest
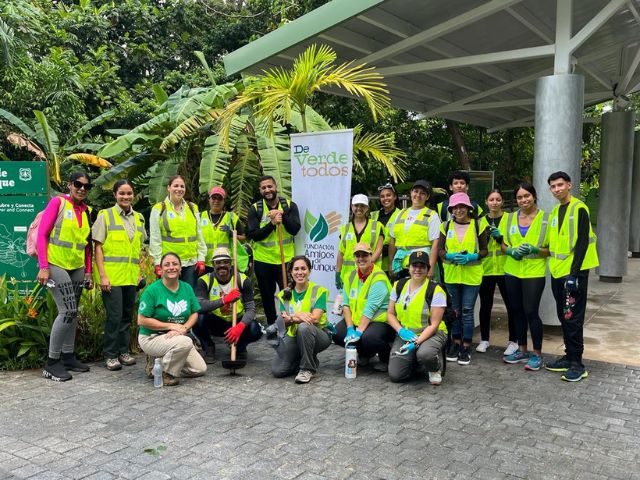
[[407, 313], [179, 234], [357, 304], [267, 250], [402, 237], [67, 240], [541, 235], [471, 273], [218, 235], [121, 252], [215, 293], [310, 298]]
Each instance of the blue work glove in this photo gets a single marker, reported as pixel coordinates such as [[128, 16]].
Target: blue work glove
[[533, 250], [460, 259], [524, 249], [514, 253], [494, 232], [339, 284], [330, 328], [450, 257], [352, 336], [571, 284], [407, 335], [407, 348]]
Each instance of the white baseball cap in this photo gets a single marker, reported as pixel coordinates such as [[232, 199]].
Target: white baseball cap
[[360, 199]]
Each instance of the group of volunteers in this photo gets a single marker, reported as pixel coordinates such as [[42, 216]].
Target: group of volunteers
[[408, 277]]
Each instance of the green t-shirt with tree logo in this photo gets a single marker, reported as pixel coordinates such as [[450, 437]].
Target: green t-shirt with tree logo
[[158, 302]]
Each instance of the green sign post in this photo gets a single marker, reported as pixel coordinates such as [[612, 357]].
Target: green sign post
[[23, 193]]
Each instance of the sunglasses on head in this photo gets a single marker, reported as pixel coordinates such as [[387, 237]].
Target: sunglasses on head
[[386, 186], [78, 184]]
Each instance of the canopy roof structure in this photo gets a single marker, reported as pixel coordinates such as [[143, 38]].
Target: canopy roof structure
[[473, 61]]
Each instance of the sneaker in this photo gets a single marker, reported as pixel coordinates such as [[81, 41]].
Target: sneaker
[[210, 355], [70, 362], [518, 357], [148, 369], [113, 364], [381, 367], [363, 361], [482, 346], [169, 380], [126, 359], [54, 370], [452, 354], [534, 363], [304, 376], [512, 347], [562, 364], [464, 357], [435, 378], [575, 373]]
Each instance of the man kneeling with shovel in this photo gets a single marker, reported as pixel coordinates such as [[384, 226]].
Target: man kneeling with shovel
[[216, 292]]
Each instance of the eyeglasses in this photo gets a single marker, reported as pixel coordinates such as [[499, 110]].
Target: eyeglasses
[[387, 186], [79, 185], [361, 254]]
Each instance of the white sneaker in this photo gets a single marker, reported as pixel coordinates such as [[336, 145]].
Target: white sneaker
[[512, 347], [482, 346], [304, 376], [435, 378]]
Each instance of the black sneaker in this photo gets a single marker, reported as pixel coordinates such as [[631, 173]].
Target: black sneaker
[[70, 362], [464, 357], [210, 355], [562, 364], [452, 354], [54, 370], [575, 373]]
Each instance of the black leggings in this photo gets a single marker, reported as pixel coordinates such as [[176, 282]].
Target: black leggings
[[487, 289], [376, 338], [524, 296]]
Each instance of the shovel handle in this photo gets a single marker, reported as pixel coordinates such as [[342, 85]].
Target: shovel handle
[[234, 308], [282, 262]]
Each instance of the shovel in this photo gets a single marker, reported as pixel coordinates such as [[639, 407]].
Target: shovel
[[233, 364]]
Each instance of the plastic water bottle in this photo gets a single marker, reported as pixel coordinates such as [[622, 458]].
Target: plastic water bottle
[[157, 373], [337, 305], [50, 283], [350, 362]]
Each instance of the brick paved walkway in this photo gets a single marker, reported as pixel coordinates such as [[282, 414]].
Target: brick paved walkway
[[487, 420]]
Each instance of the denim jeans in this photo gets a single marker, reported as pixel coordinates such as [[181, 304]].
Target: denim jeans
[[463, 300]]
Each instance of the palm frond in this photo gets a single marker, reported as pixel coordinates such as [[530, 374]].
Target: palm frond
[[20, 141], [314, 121], [203, 61], [158, 180], [88, 159], [49, 139], [275, 159], [86, 128], [243, 177], [380, 148], [108, 178], [147, 131], [214, 165]]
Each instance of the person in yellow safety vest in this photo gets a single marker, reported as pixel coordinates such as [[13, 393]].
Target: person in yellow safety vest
[[64, 257], [572, 253], [118, 234], [463, 241], [365, 302], [525, 240], [217, 227], [386, 216], [417, 317], [302, 324], [417, 227], [216, 292], [360, 229], [174, 226], [264, 219], [493, 268], [459, 181]]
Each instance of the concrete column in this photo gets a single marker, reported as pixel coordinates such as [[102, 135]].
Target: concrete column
[[634, 224], [558, 146], [616, 156]]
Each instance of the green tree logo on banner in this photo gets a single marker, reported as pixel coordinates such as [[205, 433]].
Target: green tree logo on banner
[[319, 227]]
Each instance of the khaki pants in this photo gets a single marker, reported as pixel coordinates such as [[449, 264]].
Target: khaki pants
[[426, 357], [179, 355]]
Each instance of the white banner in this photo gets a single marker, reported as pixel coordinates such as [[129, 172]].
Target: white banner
[[321, 167]]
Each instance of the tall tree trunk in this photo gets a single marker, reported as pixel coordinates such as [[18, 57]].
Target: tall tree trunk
[[458, 141]]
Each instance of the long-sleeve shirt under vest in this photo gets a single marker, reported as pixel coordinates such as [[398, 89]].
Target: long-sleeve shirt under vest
[[246, 292], [290, 222], [582, 242]]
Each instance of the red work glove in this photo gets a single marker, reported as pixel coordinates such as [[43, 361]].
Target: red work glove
[[231, 297], [233, 334], [199, 268], [158, 271]]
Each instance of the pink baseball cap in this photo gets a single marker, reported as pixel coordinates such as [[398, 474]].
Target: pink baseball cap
[[218, 191], [459, 198]]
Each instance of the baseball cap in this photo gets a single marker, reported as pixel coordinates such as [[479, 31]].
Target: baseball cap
[[418, 256], [218, 191], [362, 247], [421, 184], [221, 253], [360, 199]]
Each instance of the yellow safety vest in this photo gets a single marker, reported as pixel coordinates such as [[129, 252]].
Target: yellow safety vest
[[385, 229], [179, 234], [67, 241], [493, 263], [470, 273], [372, 231], [417, 236], [358, 294], [121, 254], [267, 250], [215, 293], [218, 235], [416, 315], [311, 296], [562, 241], [534, 265]]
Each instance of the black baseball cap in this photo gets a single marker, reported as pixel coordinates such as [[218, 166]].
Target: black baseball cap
[[419, 256]]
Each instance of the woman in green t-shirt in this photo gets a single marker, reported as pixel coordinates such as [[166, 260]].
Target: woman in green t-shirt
[[168, 309], [302, 324]]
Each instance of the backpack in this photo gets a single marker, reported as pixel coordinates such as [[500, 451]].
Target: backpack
[[32, 233], [164, 209], [449, 313], [260, 206]]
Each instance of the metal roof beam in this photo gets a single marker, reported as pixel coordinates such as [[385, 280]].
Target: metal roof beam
[[595, 23], [596, 74], [634, 12], [520, 122], [469, 61], [534, 26], [437, 31], [621, 89]]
